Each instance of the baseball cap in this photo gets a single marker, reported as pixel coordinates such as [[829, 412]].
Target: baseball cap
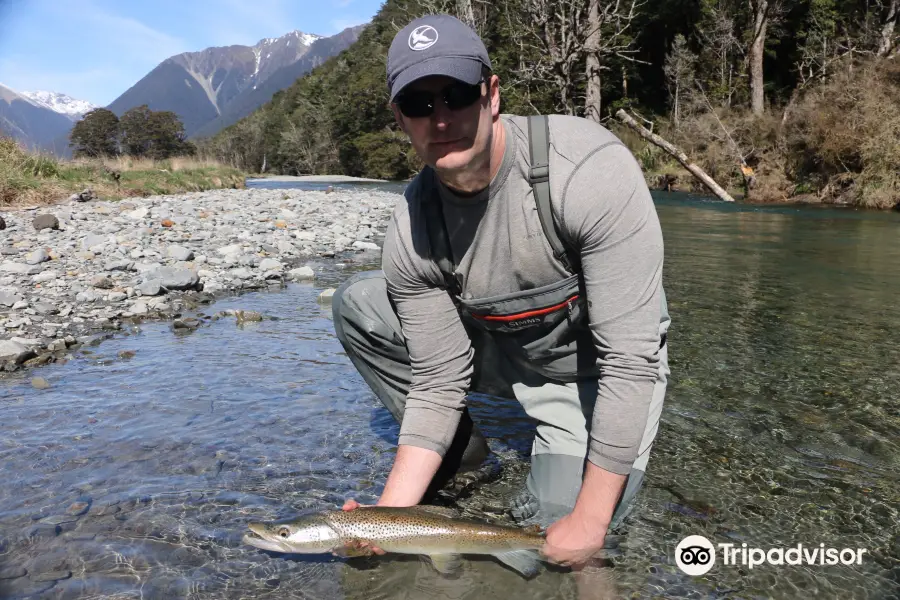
[[435, 45]]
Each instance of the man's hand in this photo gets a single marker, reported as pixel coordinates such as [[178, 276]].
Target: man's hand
[[578, 536], [358, 547], [572, 541]]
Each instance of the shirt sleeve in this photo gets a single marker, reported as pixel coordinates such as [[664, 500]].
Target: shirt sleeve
[[608, 213], [440, 351]]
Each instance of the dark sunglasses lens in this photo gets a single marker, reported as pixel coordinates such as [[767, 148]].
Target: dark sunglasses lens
[[421, 104], [461, 95], [416, 105]]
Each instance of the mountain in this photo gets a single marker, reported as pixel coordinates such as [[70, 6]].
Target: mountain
[[61, 103], [222, 84], [251, 99], [31, 123]]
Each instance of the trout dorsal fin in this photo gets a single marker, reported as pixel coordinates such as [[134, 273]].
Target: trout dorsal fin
[[442, 511]]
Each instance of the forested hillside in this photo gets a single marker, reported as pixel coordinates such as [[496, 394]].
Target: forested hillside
[[806, 94]]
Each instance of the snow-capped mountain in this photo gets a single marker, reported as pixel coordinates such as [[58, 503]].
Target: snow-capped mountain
[[61, 103], [215, 87], [30, 122]]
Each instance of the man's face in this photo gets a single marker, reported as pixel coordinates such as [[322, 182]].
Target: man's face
[[452, 140]]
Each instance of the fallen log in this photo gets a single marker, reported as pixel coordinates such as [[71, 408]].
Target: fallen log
[[676, 153]]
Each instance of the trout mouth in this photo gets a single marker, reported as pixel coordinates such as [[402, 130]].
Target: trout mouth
[[253, 538]]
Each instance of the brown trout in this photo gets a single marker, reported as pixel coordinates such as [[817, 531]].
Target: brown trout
[[425, 530]]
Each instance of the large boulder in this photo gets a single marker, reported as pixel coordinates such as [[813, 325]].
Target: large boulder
[[46, 221], [172, 278]]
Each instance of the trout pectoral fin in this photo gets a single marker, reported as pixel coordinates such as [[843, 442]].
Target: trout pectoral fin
[[525, 562], [447, 564], [353, 548]]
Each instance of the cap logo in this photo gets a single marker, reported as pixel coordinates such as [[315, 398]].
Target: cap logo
[[422, 37]]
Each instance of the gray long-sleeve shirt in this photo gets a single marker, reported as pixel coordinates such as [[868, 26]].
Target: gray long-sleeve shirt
[[603, 207]]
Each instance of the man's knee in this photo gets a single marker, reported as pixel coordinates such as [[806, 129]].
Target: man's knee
[[349, 302]]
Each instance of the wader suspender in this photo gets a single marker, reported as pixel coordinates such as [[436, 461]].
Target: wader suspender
[[538, 177]]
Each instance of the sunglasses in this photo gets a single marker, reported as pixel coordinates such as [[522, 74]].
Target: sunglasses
[[419, 103]]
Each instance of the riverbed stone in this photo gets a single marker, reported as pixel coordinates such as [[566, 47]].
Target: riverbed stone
[[8, 299], [44, 277], [173, 278], [15, 352], [270, 264], [45, 308], [38, 256], [121, 264], [45, 221], [15, 268], [360, 245], [180, 253], [93, 240], [151, 287], [102, 282], [302, 274]]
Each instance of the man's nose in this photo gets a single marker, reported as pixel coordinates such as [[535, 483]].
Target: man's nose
[[442, 116]]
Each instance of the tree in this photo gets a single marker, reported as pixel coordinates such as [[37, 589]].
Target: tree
[[760, 10], [680, 68], [888, 41], [96, 134], [134, 127], [153, 134], [166, 134], [720, 49]]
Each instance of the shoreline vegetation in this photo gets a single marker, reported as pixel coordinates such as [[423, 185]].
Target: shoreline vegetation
[[777, 102], [36, 179]]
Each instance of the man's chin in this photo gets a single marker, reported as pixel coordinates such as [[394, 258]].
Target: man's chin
[[451, 161]]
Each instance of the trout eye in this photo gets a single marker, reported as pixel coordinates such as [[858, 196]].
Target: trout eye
[[284, 532]]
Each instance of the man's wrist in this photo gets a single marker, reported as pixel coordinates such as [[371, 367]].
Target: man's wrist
[[596, 503]]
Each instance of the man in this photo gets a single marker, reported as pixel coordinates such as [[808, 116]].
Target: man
[[478, 293]]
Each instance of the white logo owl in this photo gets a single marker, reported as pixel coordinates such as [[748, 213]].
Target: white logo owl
[[422, 37]]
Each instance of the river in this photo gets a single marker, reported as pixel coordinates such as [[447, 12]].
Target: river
[[135, 477]]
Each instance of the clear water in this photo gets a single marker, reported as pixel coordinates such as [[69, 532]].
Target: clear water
[[135, 478]]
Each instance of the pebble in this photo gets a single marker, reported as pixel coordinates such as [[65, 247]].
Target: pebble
[[42, 222], [38, 256], [180, 253], [270, 264], [39, 383], [302, 274], [143, 256]]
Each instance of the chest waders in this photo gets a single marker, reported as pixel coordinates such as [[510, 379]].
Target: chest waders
[[534, 345]]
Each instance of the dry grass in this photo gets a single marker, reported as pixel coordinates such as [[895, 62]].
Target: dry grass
[[28, 179], [840, 143]]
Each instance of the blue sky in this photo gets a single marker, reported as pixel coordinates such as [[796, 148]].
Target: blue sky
[[96, 49]]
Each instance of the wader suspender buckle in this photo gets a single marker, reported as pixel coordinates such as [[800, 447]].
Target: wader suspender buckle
[[539, 178]]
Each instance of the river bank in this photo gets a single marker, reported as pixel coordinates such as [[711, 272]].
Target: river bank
[[80, 271], [30, 179], [314, 179]]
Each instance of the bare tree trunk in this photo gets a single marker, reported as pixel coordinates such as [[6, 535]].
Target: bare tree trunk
[[677, 154], [466, 14], [887, 32], [757, 47], [592, 63]]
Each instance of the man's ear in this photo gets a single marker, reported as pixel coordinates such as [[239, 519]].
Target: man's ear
[[398, 117], [494, 91]]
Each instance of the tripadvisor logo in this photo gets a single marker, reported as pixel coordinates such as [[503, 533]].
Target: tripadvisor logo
[[696, 555]]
